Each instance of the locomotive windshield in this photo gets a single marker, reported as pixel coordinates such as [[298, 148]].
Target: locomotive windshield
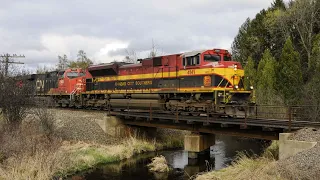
[[227, 58], [75, 74], [212, 58], [72, 74]]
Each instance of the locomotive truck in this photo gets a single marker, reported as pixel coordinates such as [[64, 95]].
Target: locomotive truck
[[196, 82]]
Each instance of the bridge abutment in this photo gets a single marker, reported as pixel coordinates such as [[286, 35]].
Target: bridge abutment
[[196, 143], [114, 126], [289, 147]]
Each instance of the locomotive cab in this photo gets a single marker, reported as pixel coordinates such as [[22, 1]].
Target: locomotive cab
[[216, 59], [72, 81], [219, 72]]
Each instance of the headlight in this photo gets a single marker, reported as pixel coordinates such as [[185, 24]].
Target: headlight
[[236, 86], [235, 67], [251, 87]]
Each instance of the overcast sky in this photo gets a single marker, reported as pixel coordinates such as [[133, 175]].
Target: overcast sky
[[44, 29]]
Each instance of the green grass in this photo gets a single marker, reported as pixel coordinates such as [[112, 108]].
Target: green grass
[[84, 157], [72, 158], [170, 143]]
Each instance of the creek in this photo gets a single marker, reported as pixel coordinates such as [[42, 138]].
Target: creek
[[220, 156]]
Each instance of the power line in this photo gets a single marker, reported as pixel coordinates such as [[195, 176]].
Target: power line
[[6, 59]]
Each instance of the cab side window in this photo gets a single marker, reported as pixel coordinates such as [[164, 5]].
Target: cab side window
[[191, 60]]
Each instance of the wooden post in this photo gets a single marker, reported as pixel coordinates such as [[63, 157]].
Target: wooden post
[[289, 116]]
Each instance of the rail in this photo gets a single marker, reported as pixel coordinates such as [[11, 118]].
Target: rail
[[244, 115]]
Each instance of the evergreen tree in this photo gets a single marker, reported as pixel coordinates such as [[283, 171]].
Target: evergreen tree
[[311, 91], [253, 38], [261, 65], [266, 93], [249, 74], [241, 48], [278, 4], [290, 76], [314, 63], [311, 98]]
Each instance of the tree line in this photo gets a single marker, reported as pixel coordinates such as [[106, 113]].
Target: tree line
[[82, 61], [280, 51]]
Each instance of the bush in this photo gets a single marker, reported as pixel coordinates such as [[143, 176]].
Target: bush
[[15, 98], [272, 151]]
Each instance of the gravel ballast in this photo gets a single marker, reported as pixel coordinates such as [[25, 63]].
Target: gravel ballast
[[306, 164], [81, 126]]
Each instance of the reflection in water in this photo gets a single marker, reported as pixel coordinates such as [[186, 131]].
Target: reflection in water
[[219, 156]]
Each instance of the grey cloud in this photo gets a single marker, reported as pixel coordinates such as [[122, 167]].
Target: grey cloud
[[174, 25]]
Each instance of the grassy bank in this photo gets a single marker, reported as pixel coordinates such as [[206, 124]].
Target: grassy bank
[[30, 153], [85, 156], [244, 167], [71, 158]]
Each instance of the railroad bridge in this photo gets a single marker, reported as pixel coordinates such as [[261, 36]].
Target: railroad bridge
[[267, 122]]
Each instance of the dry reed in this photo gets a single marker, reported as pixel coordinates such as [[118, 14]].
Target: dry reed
[[159, 164]]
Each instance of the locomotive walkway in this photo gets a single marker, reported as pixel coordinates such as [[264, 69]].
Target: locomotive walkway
[[265, 123]]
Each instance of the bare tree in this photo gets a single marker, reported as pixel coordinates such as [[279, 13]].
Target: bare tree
[[154, 50], [82, 56], [15, 97], [304, 18], [82, 62], [131, 56], [63, 62], [44, 69]]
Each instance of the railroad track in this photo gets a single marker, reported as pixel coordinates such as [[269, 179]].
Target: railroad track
[[216, 119], [272, 123]]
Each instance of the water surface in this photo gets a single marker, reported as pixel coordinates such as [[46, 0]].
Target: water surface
[[220, 155]]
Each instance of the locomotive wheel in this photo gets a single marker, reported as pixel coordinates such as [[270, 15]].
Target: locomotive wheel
[[193, 112]]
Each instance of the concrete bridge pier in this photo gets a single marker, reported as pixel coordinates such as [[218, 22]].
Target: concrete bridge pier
[[196, 143]]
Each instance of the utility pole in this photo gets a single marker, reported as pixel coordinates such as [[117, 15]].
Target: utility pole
[[6, 60]]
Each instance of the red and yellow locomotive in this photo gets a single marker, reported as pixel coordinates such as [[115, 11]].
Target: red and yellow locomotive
[[195, 82]]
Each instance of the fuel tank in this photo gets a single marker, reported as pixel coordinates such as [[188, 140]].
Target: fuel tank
[[145, 96]]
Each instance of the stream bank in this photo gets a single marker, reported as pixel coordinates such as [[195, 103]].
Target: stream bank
[[70, 143], [303, 165]]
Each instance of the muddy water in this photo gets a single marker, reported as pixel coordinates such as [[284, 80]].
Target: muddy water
[[219, 156]]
